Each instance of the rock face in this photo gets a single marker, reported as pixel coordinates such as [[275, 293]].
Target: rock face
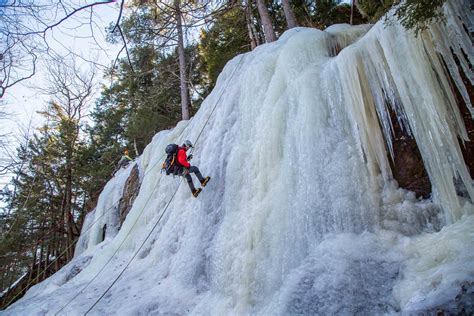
[[407, 165], [468, 147], [408, 168], [130, 192]]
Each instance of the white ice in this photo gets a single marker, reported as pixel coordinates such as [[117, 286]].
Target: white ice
[[302, 214]]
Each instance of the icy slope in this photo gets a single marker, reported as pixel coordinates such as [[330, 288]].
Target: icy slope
[[301, 214]]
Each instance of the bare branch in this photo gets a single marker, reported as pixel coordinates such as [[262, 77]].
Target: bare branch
[[49, 27], [25, 36], [126, 48], [119, 17]]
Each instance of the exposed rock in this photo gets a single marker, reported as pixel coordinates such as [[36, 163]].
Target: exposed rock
[[130, 192], [463, 303], [76, 268], [408, 168], [468, 147]]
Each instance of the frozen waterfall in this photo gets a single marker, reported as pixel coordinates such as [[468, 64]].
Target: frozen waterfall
[[302, 215]]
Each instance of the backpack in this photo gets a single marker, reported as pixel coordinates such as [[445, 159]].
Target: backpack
[[170, 166]]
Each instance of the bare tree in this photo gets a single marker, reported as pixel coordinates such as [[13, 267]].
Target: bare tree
[[71, 91], [26, 29], [268, 29], [3, 116], [5, 152]]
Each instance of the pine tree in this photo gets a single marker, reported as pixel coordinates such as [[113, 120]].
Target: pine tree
[[48, 205], [163, 25], [414, 15], [226, 38]]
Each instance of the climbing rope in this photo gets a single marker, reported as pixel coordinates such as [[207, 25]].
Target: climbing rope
[[154, 226], [111, 257], [136, 252], [113, 206], [60, 255]]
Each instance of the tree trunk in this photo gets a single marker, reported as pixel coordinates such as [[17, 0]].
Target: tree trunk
[[12, 276], [289, 15], [257, 35], [33, 263], [46, 262], [253, 42], [67, 215], [352, 11], [57, 249], [135, 147], [65, 226], [182, 63], [38, 268], [270, 35], [68, 211]]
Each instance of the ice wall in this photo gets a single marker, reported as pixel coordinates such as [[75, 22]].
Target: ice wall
[[301, 215], [103, 221]]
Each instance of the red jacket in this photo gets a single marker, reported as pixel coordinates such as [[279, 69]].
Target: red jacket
[[183, 158]]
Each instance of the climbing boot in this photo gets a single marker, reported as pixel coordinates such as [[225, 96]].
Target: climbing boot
[[196, 192], [205, 181]]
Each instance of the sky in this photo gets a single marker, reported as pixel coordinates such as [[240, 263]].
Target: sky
[[22, 101]]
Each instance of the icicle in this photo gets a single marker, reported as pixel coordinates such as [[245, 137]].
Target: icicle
[[390, 67], [454, 35], [361, 104]]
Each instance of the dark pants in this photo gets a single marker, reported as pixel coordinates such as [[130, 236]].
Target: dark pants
[[195, 170]]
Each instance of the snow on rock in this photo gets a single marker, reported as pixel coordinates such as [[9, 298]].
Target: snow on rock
[[302, 214]]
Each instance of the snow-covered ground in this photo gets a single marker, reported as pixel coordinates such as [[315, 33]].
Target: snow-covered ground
[[301, 215]]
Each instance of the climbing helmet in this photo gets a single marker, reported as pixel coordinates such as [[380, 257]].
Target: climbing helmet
[[188, 144]]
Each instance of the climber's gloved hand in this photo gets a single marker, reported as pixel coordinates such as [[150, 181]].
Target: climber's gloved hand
[[190, 157]]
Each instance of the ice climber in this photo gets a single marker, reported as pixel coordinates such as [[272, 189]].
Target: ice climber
[[123, 162], [177, 163]]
